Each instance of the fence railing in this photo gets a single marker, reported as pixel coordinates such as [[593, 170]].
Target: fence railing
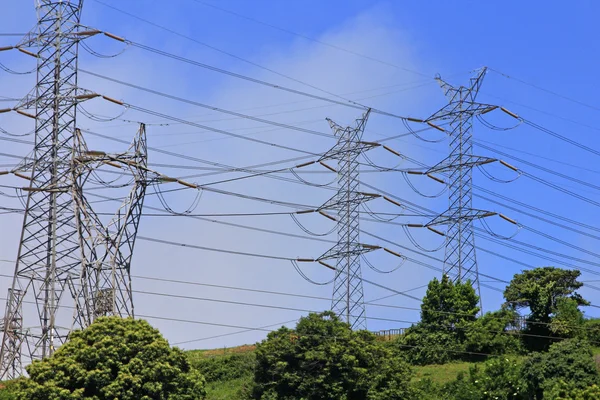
[[389, 334]]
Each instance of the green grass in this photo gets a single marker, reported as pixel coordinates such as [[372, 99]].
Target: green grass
[[225, 390], [441, 374], [229, 389]]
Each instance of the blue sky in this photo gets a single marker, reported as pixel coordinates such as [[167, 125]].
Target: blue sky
[[546, 44]]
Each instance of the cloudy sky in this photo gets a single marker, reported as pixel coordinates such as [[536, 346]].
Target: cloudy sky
[[379, 53]]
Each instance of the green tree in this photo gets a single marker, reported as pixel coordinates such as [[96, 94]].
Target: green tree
[[114, 358], [541, 290], [499, 379], [567, 364], [568, 320], [492, 334], [448, 305], [564, 391], [324, 359], [447, 312]]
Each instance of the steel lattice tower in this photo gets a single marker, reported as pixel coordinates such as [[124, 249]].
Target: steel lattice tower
[[105, 285], [460, 260], [348, 298], [48, 256]]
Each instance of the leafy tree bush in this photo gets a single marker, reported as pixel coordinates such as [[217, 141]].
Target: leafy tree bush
[[542, 291], [447, 311], [225, 368], [568, 321], [565, 391], [491, 334], [423, 346], [567, 362], [500, 379], [324, 359], [114, 358], [592, 330]]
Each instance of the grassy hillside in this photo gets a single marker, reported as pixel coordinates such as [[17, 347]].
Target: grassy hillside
[[229, 371]]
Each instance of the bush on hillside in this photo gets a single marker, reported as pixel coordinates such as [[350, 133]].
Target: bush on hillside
[[447, 312], [492, 334], [567, 362], [228, 367], [324, 359], [114, 358], [499, 379]]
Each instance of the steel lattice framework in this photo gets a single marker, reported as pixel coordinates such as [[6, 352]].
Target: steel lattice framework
[[64, 246], [460, 259], [48, 256], [105, 285], [348, 298]]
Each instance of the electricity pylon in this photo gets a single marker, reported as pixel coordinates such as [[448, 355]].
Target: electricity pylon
[[105, 284], [460, 260], [348, 298], [48, 256]]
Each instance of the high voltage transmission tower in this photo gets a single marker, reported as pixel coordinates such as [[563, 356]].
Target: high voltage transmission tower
[[348, 297], [66, 253], [105, 284], [49, 252], [460, 259]]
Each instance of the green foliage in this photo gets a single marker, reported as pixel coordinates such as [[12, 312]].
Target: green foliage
[[541, 290], [568, 321], [500, 379], [114, 358], [565, 391], [423, 346], [569, 361], [324, 359], [225, 368], [592, 330], [490, 334], [8, 392], [447, 305], [447, 312]]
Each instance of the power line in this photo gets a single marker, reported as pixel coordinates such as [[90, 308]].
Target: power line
[[333, 46], [595, 108]]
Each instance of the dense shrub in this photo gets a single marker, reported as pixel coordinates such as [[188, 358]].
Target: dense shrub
[[324, 359], [447, 312], [568, 362], [592, 331], [492, 334], [225, 368], [114, 358], [500, 379]]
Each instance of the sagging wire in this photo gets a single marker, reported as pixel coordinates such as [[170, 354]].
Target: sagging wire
[[15, 134], [93, 52], [306, 230], [370, 265], [22, 197], [12, 71], [377, 217], [417, 245], [414, 188], [166, 206], [378, 167], [303, 275], [415, 134], [110, 184], [489, 230], [495, 127], [310, 183], [97, 118], [493, 178]]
